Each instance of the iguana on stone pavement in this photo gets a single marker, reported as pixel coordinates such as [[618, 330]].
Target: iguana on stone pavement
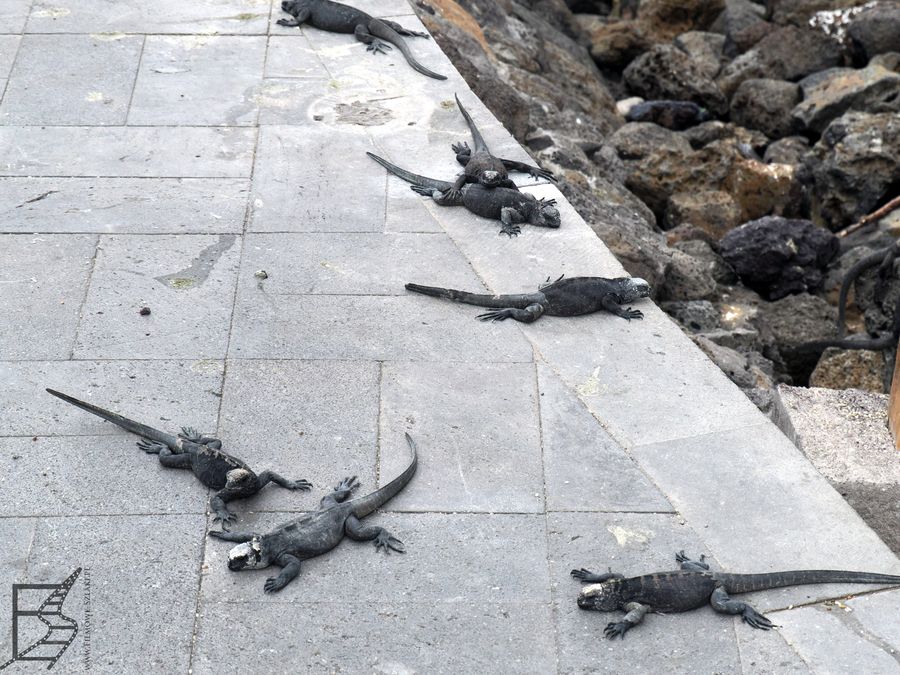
[[228, 475], [694, 586], [315, 533], [339, 18]]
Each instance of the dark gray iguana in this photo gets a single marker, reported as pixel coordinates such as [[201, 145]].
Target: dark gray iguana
[[339, 18], [563, 297], [228, 475], [482, 167], [694, 586], [315, 533], [507, 205]]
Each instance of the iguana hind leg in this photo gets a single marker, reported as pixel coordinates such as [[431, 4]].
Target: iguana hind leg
[[535, 171], [463, 152], [267, 477], [168, 458], [354, 529], [194, 436], [237, 537], [375, 45], [688, 564], [720, 602], [528, 315], [405, 31]]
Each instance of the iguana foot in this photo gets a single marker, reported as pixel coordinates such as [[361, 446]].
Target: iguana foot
[[548, 202], [461, 148], [226, 517], [495, 315], [616, 628], [537, 172], [151, 447], [301, 484], [422, 190], [582, 574], [629, 314], [377, 47], [755, 619], [387, 542], [273, 584], [347, 484], [511, 230], [451, 194]]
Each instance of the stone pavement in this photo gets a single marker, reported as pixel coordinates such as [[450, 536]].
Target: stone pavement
[[159, 154]]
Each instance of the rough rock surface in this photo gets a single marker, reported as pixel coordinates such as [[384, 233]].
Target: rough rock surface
[[766, 105], [875, 30], [791, 321], [666, 72], [713, 211], [851, 369]]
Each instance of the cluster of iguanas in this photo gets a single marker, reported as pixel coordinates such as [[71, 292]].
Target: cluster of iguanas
[[485, 189]]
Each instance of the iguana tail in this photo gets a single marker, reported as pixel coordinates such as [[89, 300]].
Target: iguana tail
[[476, 135], [747, 583], [478, 299], [363, 506], [410, 177], [380, 29], [118, 420]]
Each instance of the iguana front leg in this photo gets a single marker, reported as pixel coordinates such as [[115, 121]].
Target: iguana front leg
[[291, 565], [376, 46], [299, 19], [688, 564], [528, 315], [610, 304], [267, 477], [455, 192], [536, 171], [511, 218], [588, 577], [354, 529], [721, 602], [635, 614]]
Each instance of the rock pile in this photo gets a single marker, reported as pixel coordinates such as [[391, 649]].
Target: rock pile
[[717, 147]]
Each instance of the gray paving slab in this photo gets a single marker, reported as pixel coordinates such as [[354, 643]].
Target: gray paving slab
[[13, 15], [163, 394], [756, 482], [9, 47], [142, 595], [574, 445], [124, 205], [288, 100], [199, 80], [43, 278], [126, 151], [767, 652], [160, 16], [366, 327], [834, 639], [72, 79], [476, 426], [291, 56], [468, 559], [387, 637], [332, 193], [188, 283], [632, 544], [288, 416], [60, 476], [348, 264], [17, 535], [404, 214]]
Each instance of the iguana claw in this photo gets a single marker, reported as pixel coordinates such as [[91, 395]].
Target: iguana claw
[[616, 628], [150, 447], [387, 542], [301, 484]]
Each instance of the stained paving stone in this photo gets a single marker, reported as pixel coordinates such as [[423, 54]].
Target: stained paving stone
[[124, 205], [164, 394], [859, 639], [574, 443], [200, 80], [43, 476], [758, 475], [477, 430], [160, 16], [291, 56], [351, 264], [187, 281], [43, 278], [331, 194], [143, 586], [13, 15], [72, 79], [126, 151], [632, 544], [469, 559], [287, 416], [287, 101], [366, 327]]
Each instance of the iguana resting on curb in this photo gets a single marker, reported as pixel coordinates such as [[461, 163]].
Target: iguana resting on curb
[[482, 167], [694, 586], [315, 533], [339, 18], [507, 205], [229, 476], [563, 297]]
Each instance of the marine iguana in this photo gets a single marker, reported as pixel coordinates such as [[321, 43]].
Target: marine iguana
[[563, 297], [507, 205], [228, 475], [694, 586], [315, 533], [336, 17], [482, 167]]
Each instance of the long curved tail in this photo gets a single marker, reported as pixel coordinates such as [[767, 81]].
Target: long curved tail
[[747, 583], [478, 299], [363, 506], [380, 29], [410, 177], [476, 135], [123, 422]]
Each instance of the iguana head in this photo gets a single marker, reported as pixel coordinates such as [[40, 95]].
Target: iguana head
[[546, 215], [603, 597], [490, 178], [631, 288], [247, 556]]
